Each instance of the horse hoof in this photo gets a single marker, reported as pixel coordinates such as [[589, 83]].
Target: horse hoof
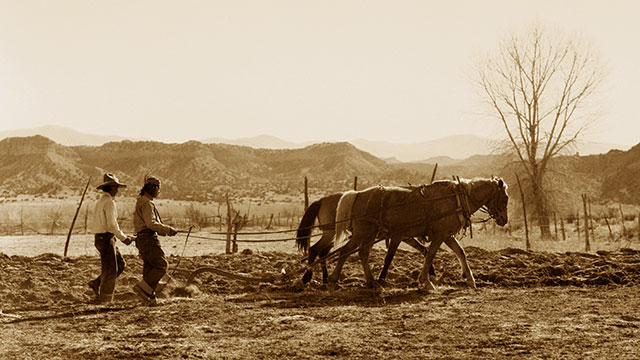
[[376, 287], [298, 285], [427, 287]]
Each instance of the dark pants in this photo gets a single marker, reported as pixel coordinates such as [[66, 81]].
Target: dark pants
[[112, 265], [154, 262]]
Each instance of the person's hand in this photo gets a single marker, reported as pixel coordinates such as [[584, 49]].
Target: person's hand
[[128, 240], [172, 231]]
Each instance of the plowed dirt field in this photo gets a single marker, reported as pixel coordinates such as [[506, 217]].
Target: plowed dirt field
[[527, 305]]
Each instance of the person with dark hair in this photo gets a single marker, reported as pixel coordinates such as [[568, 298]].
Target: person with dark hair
[[106, 229], [148, 225]]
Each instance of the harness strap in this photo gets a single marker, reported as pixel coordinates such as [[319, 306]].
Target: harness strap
[[464, 214]]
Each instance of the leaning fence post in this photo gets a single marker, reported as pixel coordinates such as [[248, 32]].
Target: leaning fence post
[[604, 215], [355, 183], [66, 244], [306, 194], [524, 210]]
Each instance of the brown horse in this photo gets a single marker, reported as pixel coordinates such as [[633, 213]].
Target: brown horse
[[324, 210], [439, 211]]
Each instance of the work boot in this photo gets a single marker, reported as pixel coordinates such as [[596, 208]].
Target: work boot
[[95, 286], [148, 298]]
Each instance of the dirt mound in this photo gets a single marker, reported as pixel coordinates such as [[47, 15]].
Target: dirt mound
[[50, 280]]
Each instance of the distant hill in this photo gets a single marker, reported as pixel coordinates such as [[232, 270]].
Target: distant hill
[[63, 135], [458, 147], [448, 149], [454, 147], [259, 142], [35, 165]]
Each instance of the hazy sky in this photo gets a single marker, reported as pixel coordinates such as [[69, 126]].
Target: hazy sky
[[300, 70]]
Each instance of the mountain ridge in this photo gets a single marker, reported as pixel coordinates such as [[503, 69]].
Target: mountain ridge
[[457, 147], [208, 172]]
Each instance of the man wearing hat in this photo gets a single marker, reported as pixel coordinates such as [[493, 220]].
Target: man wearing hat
[[106, 229], [148, 225]]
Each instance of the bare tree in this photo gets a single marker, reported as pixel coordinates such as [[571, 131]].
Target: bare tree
[[538, 84]]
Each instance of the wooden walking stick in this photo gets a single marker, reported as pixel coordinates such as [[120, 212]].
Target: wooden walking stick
[[73, 222], [175, 268]]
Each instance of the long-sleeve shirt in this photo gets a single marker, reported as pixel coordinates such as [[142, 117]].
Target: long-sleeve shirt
[[146, 216], [105, 217]]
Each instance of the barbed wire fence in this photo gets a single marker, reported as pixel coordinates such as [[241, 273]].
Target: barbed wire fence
[[609, 223]]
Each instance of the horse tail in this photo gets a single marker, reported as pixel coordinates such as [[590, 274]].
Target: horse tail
[[303, 236], [343, 216]]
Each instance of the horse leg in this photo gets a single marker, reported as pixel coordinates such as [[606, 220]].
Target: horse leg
[[319, 249], [424, 278], [325, 273], [345, 251], [391, 251], [364, 252], [421, 248], [312, 257], [454, 245]]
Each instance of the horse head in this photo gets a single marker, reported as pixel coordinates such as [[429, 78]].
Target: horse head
[[498, 201]]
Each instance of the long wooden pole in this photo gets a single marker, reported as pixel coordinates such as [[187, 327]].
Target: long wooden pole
[[433, 175], [524, 210], [73, 222]]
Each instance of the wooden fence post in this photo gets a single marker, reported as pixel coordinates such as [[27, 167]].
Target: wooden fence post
[[306, 194], [355, 183], [555, 224], [564, 235], [587, 246], [593, 233], [270, 222], [433, 175], [578, 224], [524, 210], [608, 226], [235, 236], [624, 230], [228, 247], [21, 222], [86, 219]]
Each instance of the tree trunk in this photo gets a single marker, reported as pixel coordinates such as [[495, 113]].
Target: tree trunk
[[541, 208]]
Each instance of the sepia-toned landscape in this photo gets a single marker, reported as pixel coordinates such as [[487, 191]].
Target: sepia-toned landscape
[[319, 180], [554, 300]]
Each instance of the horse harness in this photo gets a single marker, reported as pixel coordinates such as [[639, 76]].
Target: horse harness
[[463, 209]]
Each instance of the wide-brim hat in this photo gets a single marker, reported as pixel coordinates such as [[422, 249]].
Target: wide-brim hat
[[110, 180]]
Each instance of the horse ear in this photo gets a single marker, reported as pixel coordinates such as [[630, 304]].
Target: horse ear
[[500, 183]]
